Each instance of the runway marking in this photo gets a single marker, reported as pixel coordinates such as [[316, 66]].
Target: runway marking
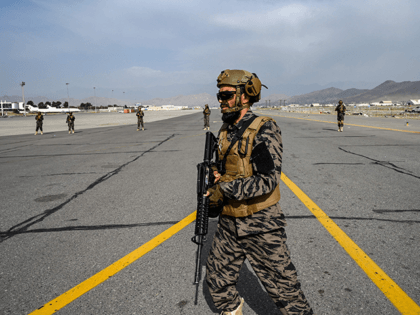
[[332, 122], [392, 291], [74, 293]]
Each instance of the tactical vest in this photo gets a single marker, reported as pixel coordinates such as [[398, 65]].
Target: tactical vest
[[238, 165]]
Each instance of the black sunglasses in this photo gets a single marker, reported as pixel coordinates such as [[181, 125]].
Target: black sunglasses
[[225, 95]]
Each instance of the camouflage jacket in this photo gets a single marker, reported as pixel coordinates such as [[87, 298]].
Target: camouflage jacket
[[207, 111], [140, 114], [340, 109], [271, 218]]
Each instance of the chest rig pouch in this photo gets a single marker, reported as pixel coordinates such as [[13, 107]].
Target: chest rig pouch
[[235, 158]]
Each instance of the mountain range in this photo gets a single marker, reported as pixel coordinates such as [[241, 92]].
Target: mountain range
[[387, 91]]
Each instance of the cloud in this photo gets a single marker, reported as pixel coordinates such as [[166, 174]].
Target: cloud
[[166, 43]]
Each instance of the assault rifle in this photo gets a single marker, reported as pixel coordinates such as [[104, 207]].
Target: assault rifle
[[205, 180]]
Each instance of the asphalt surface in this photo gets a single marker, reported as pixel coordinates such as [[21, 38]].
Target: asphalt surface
[[72, 205], [53, 122]]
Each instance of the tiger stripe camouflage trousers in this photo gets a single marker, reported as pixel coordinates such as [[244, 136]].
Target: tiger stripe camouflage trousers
[[140, 123], [206, 121], [340, 120], [269, 257]]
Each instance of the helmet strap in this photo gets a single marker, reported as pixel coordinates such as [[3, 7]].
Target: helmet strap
[[238, 97]]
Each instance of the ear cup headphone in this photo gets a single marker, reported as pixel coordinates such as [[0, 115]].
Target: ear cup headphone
[[253, 86]]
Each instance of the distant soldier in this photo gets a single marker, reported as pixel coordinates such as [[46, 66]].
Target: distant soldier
[[70, 122], [39, 119], [341, 111], [206, 113], [140, 115]]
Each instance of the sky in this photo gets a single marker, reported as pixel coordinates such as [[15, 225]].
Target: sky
[[139, 50]]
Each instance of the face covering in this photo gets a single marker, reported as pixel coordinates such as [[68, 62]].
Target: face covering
[[230, 118]]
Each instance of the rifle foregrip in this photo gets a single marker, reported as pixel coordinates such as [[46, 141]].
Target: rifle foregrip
[[202, 220]]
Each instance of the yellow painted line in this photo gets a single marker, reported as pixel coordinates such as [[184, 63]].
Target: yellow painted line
[[346, 124], [74, 293], [392, 291]]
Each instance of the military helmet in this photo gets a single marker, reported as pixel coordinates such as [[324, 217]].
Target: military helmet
[[245, 82], [340, 102]]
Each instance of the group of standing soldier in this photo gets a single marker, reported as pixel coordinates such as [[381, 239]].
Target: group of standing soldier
[[40, 121], [245, 197], [39, 118]]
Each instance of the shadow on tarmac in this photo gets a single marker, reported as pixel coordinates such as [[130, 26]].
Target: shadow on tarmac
[[24, 226], [386, 164]]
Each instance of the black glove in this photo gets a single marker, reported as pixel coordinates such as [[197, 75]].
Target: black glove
[[216, 201]]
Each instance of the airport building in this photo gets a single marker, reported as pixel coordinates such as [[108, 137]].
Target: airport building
[[10, 106]]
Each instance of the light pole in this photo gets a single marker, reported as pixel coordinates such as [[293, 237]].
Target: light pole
[[94, 93], [68, 98], [23, 98]]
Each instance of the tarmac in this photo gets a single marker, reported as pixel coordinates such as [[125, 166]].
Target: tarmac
[[19, 125]]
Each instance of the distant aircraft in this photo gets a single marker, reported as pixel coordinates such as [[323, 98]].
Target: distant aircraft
[[49, 109]]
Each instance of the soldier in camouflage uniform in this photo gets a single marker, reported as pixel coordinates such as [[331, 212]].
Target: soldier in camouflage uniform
[[251, 223], [206, 113], [70, 122], [341, 111], [39, 120], [140, 115]]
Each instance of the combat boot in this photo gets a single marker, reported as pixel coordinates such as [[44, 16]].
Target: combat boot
[[142, 128], [138, 129], [339, 129], [42, 132], [36, 132], [238, 311], [73, 131], [69, 131]]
